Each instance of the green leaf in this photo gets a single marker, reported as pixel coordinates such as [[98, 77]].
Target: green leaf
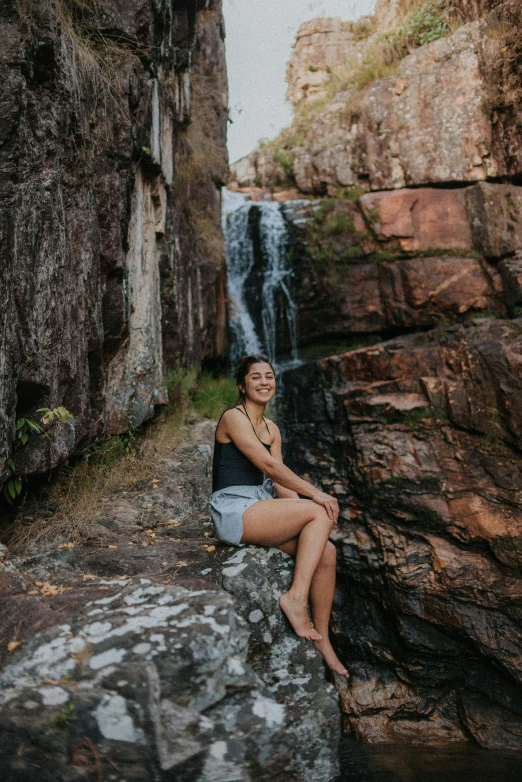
[[18, 486], [24, 437], [147, 150], [11, 487], [20, 423], [12, 465], [7, 495]]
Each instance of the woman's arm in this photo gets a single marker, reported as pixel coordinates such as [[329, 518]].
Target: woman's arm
[[277, 453], [237, 428]]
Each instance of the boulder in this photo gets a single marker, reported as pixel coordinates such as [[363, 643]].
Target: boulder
[[153, 681], [290, 667]]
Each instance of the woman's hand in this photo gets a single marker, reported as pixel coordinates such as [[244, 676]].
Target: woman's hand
[[330, 504]]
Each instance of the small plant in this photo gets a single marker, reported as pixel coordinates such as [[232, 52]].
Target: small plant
[[27, 427], [56, 414], [313, 68], [285, 158], [67, 716], [363, 28], [13, 486]]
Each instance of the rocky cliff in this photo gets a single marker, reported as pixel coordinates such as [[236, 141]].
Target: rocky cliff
[[411, 240], [112, 153]]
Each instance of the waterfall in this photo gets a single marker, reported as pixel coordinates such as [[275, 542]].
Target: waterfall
[[263, 312]]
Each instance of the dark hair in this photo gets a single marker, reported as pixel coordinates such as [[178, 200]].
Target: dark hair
[[242, 367]]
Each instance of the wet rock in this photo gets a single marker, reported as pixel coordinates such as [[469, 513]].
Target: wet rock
[[290, 667]]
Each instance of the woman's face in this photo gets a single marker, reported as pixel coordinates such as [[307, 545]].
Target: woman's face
[[260, 384]]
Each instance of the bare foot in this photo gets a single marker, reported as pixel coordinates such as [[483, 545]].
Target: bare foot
[[297, 615], [333, 662]]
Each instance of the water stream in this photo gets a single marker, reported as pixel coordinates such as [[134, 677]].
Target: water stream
[[409, 763], [263, 312]]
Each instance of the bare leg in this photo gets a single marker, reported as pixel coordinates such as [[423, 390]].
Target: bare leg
[[275, 522], [321, 598]]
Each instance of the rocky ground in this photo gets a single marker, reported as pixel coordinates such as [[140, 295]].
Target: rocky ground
[[124, 658]]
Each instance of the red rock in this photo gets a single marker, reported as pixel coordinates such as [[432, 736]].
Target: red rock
[[420, 219], [424, 434]]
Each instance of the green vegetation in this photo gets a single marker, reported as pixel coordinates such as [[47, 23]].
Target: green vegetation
[[415, 417], [26, 428], [67, 716], [337, 346], [214, 395], [331, 234], [363, 28]]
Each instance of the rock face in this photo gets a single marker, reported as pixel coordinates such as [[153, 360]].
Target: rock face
[[320, 45], [424, 125], [449, 111], [419, 438], [405, 259], [111, 114]]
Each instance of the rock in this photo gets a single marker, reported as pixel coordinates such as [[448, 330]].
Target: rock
[[11, 579], [419, 439], [152, 680], [495, 213], [320, 46], [420, 219], [289, 666], [425, 125], [350, 279], [89, 145], [511, 272]]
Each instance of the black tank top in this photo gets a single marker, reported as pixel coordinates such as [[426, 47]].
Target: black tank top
[[232, 468]]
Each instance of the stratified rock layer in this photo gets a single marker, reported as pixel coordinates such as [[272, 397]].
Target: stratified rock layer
[[419, 438], [112, 151]]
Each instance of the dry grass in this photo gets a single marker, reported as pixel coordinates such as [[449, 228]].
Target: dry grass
[[419, 22], [82, 492], [93, 63]]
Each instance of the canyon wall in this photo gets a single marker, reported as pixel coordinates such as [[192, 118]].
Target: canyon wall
[[112, 154], [407, 261]]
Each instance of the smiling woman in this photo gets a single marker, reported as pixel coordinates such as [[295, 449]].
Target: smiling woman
[[256, 500]]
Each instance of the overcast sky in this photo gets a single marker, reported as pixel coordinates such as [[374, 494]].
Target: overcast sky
[[259, 38]]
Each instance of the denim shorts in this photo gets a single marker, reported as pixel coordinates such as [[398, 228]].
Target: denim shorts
[[228, 505]]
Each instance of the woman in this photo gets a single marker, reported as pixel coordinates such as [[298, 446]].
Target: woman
[[244, 510]]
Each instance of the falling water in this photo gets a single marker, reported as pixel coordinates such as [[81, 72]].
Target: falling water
[[263, 312]]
